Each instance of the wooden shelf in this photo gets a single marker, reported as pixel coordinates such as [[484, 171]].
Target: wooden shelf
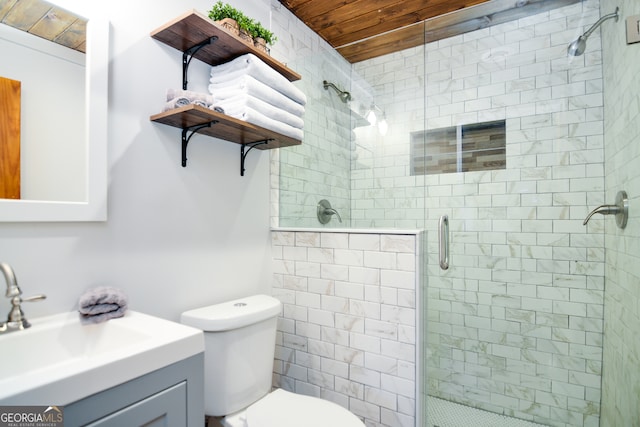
[[193, 27], [227, 127], [197, 36]]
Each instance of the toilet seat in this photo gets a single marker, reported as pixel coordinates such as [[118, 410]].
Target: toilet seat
[[281, 408]]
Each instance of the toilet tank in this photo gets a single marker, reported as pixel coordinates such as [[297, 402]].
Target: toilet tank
[[240, 339]]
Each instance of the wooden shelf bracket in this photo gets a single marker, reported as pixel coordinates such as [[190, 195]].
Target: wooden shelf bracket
[[186, 136], [187, 56], [243, 153]]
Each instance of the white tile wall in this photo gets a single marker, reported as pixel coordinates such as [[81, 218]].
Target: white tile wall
[[621, 364], [348, 328]]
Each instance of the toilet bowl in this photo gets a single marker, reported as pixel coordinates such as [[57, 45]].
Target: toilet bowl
[[240, 338]]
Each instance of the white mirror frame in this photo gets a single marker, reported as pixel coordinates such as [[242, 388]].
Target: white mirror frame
[[94, 208]]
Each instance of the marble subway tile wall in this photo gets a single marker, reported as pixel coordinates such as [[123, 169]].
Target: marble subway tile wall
[[348, 328], [515, 325], [621, 376]]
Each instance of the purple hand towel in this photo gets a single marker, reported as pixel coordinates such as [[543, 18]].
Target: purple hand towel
[[102, 303]]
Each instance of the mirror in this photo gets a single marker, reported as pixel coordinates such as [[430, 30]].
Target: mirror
[[82, 194]]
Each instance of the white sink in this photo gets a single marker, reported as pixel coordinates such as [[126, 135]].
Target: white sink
[[60, 360]]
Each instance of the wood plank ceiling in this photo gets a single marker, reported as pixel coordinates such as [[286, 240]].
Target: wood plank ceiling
[[365, 29], [45, 20]]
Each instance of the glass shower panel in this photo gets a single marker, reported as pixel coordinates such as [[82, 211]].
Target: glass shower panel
[[514, 326], [384, 192], [319, 168]]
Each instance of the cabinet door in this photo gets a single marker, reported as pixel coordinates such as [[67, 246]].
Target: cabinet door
[[166, 408]]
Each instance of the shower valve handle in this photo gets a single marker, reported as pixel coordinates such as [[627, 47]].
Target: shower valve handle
[[620, 209]]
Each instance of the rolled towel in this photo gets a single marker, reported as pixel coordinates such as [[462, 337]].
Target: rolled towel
[[201, 103], [238, 104], [190, 95], [102, 303], [176, 103], [180, 98], [247, 85], [253, 66], [181, 102]]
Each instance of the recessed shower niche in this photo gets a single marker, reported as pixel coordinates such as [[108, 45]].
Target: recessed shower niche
[[462, 148]]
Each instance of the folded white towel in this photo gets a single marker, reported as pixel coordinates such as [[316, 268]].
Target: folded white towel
[[102, 303], [250, 115], [247, 85], [238, 104], [253, 66]]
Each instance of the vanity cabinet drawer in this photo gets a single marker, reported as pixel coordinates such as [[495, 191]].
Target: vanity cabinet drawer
[[170, 396], [167, 408]]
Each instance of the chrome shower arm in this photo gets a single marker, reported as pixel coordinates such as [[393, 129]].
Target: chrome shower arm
[[600, 21], [578, 46], [342, 94], [327, 85]]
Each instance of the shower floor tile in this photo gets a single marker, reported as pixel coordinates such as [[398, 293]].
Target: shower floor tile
[[442, 413]]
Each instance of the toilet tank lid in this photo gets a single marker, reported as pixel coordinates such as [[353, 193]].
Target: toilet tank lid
[[232, 314]]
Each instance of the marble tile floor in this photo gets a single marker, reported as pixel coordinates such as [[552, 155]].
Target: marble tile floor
[[442, 413]]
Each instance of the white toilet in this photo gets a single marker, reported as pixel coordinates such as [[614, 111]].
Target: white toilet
[[240, 339]]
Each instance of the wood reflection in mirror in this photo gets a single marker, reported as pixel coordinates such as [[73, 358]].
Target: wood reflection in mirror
[[46, 20], [9, 138]]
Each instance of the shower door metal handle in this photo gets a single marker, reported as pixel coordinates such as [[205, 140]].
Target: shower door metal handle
[[443, 242]]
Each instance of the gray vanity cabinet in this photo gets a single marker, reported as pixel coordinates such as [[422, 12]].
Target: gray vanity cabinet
[[171, 396]]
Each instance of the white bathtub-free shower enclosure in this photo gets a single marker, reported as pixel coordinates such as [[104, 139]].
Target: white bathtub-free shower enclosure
[[515, 137]]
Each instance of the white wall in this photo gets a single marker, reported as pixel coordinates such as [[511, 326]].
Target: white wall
[[176, 238]]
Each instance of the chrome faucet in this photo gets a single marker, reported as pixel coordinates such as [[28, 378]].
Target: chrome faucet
[[325, 211], [15, 320]]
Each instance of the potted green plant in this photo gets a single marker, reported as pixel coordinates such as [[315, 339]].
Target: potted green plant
[[226, 15], [246, 25], [263, 37], [241, 25]]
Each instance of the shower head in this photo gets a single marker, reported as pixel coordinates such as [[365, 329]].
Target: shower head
[[342, 94], [577, 47], [345, 97]]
